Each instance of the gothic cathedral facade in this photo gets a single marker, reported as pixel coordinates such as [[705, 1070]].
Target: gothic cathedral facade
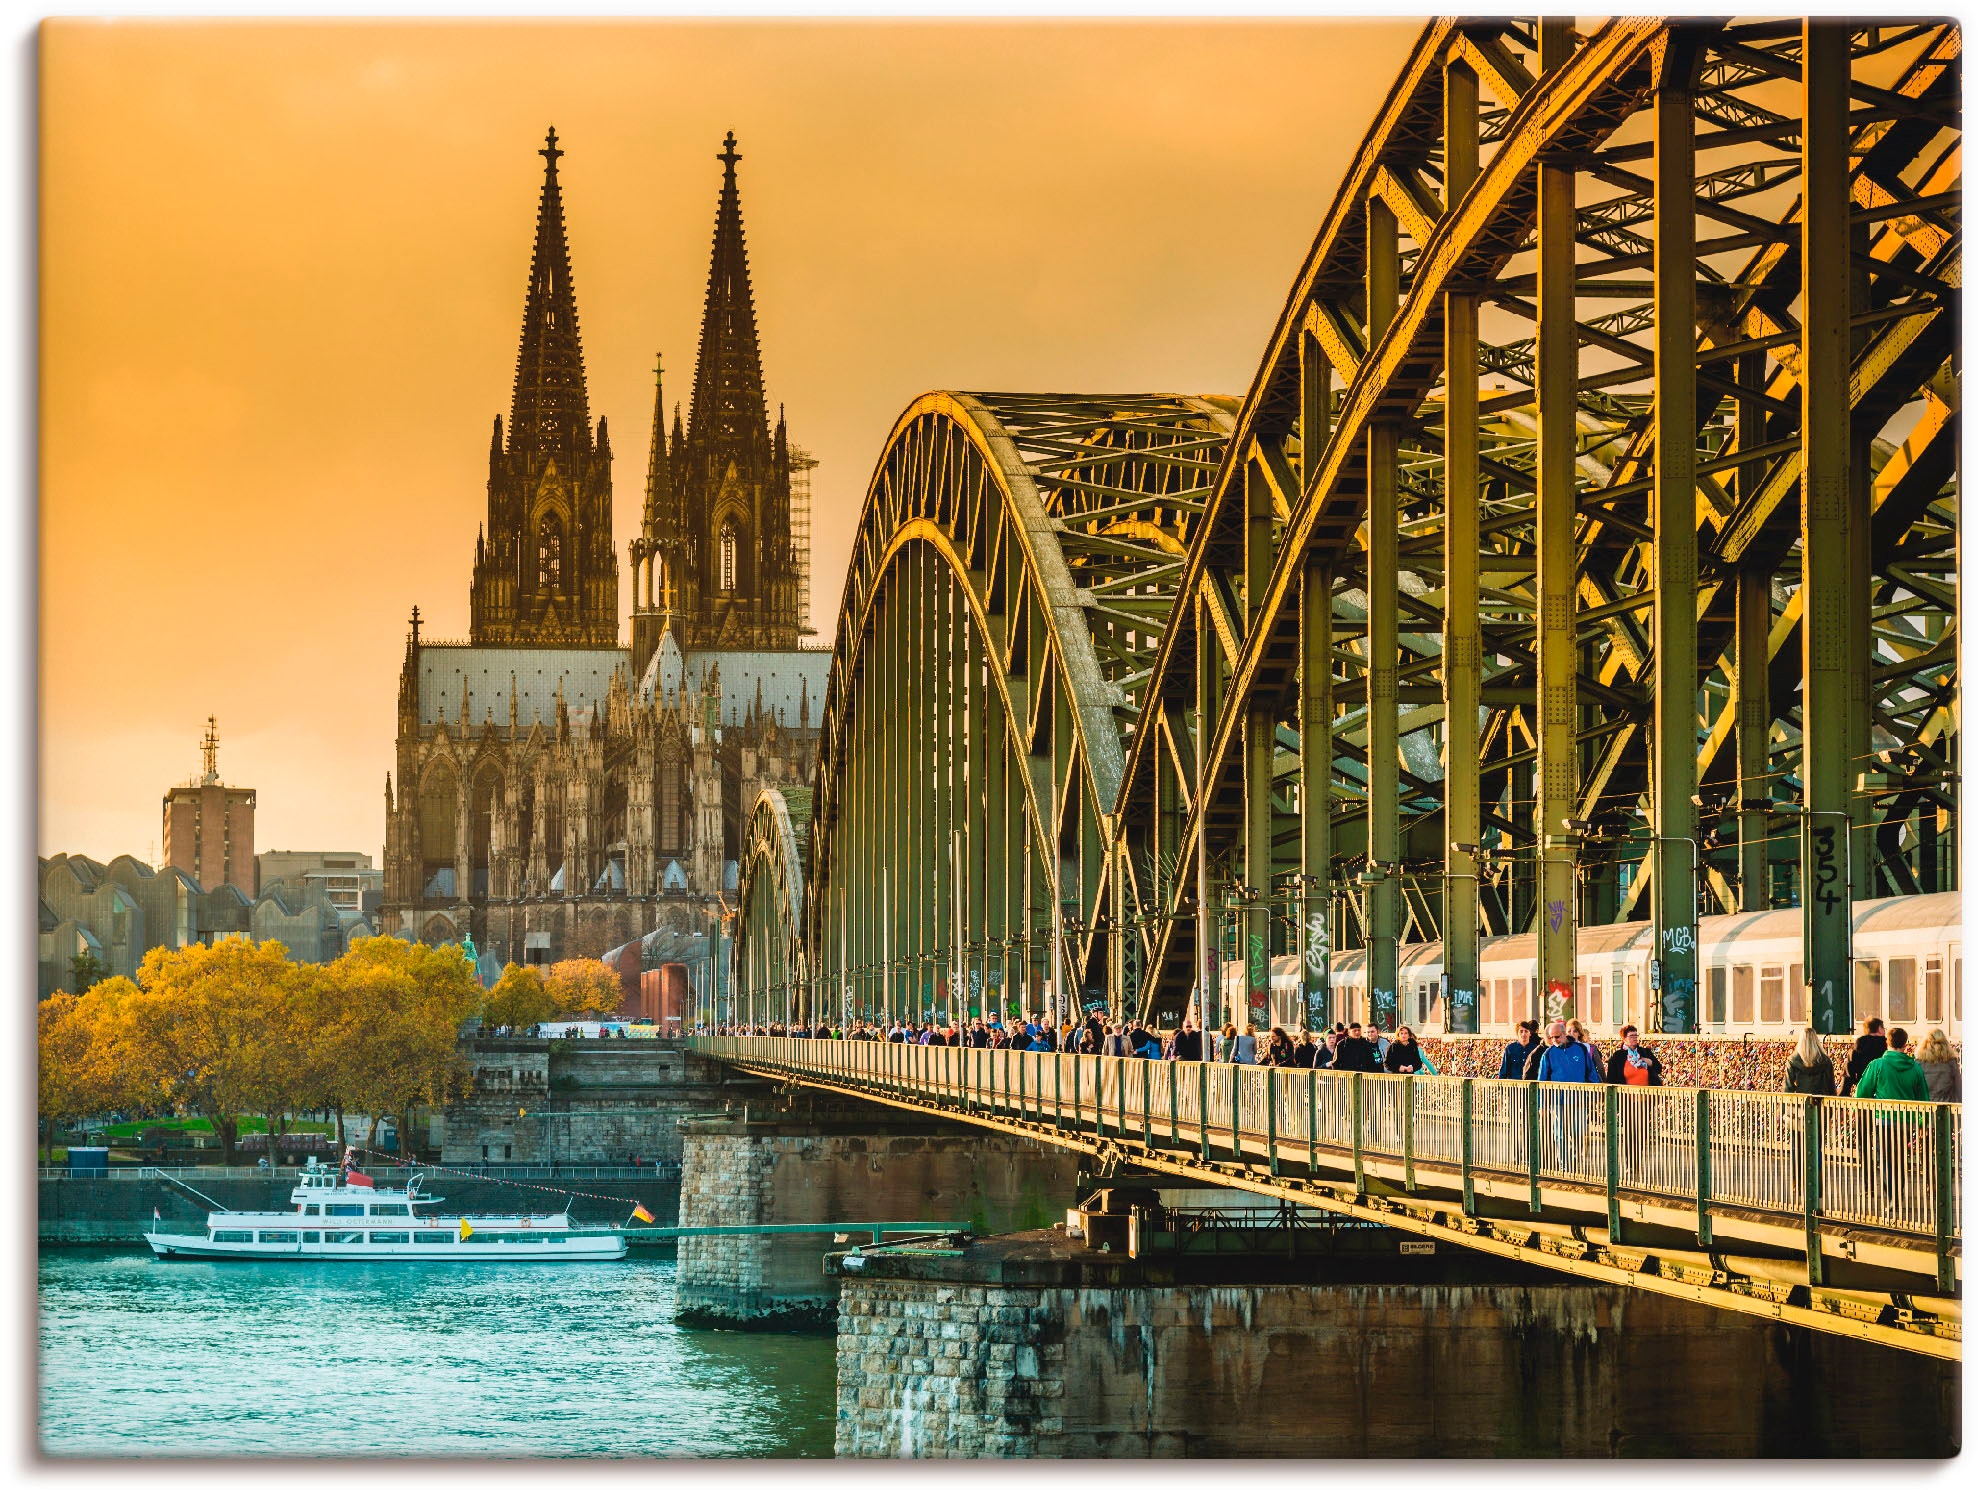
[[558, 794]]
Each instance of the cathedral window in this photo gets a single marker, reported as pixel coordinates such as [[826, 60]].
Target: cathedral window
[[549, 555], [728, 557]]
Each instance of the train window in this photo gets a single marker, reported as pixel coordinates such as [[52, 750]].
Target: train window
[[1634, 999], [1933, 989], [1957, 989], [1868, 989], [1500, 1000], [1796, 992], [1741, 994], [1593, 997], [1719, 981], [1902, 988], [1521, 998], [1771, 994]]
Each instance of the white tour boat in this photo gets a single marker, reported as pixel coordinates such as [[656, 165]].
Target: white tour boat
[[338, 1221]]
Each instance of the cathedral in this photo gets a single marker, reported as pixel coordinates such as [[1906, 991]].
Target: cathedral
[[556, 793]]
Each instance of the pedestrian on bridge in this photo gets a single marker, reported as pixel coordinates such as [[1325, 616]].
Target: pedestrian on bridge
[[1634, 1064], [1355, 1052], [1809, 1068], [1895, 1074], [1867, 1050], [1404, 1056], [1940, 1068], [1567, 1059], [1520, 1051], [1239, 1049], [1188, 1040]]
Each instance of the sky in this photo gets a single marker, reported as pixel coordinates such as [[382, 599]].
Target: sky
[[282, 268]]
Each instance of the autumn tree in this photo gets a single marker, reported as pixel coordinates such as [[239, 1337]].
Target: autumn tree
[[402, 1005], [210, 1027], [79, 1070], [584, 988], [518, 999]]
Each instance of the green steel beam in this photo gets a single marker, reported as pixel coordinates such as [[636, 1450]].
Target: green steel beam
[[1673, 813], [1826, 573], [1383, 646]]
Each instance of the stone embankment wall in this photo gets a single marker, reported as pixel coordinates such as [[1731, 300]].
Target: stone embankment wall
[[117, 1212], [980, 1370], [762, 1174], [583, 1101]]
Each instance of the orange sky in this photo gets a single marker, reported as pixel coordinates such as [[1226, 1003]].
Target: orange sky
[[282, 277]]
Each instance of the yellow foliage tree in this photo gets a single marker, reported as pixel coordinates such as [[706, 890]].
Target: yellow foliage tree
[[79, 1074], [519, 999], [584, 988], [401, 1007], [212, 1030]]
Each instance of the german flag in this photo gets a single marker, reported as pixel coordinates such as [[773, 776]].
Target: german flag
[[640, 1213]]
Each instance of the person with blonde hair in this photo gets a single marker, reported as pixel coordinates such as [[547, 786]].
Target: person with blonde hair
[[1809, 1068], [1940, 1068]]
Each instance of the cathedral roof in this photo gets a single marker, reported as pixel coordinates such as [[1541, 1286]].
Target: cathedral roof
[[551, 410], [532, 673], [788, 681]]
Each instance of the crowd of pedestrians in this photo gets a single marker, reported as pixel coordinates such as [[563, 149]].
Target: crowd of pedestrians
[[1880, 1064]]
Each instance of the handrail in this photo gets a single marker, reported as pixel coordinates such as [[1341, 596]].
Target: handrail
[[1880, 1165]]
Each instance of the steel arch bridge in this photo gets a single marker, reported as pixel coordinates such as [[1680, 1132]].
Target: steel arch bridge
[[1607, 436]]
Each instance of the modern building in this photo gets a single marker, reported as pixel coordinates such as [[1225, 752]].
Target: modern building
[[557, 793], [209, 826]]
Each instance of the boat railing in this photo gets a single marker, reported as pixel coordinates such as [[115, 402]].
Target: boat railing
[[466, 1170]]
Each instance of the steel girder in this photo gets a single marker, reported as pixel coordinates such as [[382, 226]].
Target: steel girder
[[1016, 562], [771, 978], [1602, 235]]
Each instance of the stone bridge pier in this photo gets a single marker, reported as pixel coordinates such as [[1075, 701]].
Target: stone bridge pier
[[1030, 1346], [807, 1158]]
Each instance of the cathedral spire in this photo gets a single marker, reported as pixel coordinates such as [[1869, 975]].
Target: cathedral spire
[[727, 408], [551, 410], [659, 483]]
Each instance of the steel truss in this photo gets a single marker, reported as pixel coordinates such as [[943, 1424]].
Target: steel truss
[[1439, 572]]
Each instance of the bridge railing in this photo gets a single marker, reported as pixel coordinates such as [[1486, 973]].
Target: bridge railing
[[1893, 1166]]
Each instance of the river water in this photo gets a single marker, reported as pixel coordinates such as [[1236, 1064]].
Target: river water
[[512, 1360]]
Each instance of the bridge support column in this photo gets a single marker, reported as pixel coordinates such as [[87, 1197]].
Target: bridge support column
[[1557, 709], [1751, 685], [1208, 924], [1462, 633], [1827, 573], [1672, 887], [1383, 877], [1315, 794]]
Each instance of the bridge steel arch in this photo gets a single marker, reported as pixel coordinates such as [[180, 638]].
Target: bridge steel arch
[[769, 935], [1463, 645], [1015, 564]]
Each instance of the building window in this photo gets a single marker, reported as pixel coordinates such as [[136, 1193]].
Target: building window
[[728, 557], [549, 555]]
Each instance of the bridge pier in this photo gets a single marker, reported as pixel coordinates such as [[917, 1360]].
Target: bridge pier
[[828, 1161], [1031, 1346]]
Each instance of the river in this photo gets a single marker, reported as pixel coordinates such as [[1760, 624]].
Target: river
[[511, 1360]]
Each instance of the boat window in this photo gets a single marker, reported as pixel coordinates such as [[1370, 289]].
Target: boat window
[[343, 1237], [552, 1239], [312, 1210], [279, 1236], [481, 1236], [1796, 992], [1771, 994], [1902, 988], [1741, 993], [343, 1210], [399, 1238], [1867, 989], [391, 1210], [432, 1238], [312, 1236], [1933, 989], [233, 1236]]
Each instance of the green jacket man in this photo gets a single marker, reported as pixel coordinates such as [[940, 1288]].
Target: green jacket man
[[1895, 1074]]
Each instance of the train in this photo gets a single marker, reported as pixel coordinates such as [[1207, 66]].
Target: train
[[1908, 969]]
